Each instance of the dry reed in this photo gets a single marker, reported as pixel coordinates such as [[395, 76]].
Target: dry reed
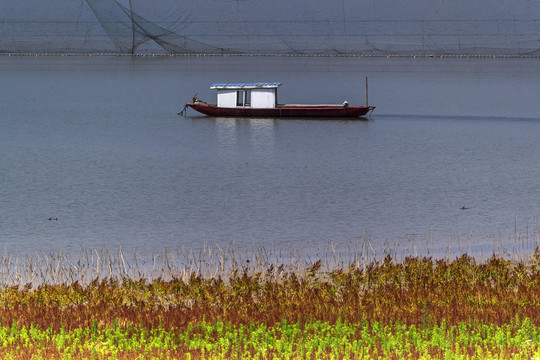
[[213, 261]]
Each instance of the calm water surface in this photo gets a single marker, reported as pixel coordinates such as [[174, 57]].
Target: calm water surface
[[95, 144]]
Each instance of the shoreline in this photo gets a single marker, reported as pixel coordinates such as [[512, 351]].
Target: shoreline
[[212, 261]]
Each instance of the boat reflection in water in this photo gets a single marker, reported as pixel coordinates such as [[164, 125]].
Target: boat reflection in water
[[237, 135]]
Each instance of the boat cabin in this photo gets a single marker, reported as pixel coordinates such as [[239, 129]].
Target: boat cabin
[[253, 95]]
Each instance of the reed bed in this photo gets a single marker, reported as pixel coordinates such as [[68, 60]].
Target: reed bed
[[213, 261], [216, 305], [209, 261]]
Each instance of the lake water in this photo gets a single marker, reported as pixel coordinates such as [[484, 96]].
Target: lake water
[[93, 153]]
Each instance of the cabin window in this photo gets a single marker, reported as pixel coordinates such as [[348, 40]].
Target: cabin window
[[243, 97]]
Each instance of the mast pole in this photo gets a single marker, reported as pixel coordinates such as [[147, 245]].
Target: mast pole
[[367, 102]]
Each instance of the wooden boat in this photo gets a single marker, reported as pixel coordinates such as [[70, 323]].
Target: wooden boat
[[260, 100]]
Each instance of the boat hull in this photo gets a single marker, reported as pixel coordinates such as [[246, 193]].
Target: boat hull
[[287, 111]]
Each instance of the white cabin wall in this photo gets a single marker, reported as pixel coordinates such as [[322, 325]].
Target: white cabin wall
[[263, 98], [226, 98]]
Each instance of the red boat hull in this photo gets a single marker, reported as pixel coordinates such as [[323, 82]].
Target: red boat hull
[[286, 111]]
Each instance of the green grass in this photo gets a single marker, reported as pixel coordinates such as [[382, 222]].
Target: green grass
[[310, 340]]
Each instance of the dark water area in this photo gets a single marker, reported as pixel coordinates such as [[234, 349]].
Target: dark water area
[[93, 153]]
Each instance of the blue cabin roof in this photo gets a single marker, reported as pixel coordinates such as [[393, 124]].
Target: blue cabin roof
[[259, 85]]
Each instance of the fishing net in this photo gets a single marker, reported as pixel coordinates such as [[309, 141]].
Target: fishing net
[[311, 27], [129, 30]]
